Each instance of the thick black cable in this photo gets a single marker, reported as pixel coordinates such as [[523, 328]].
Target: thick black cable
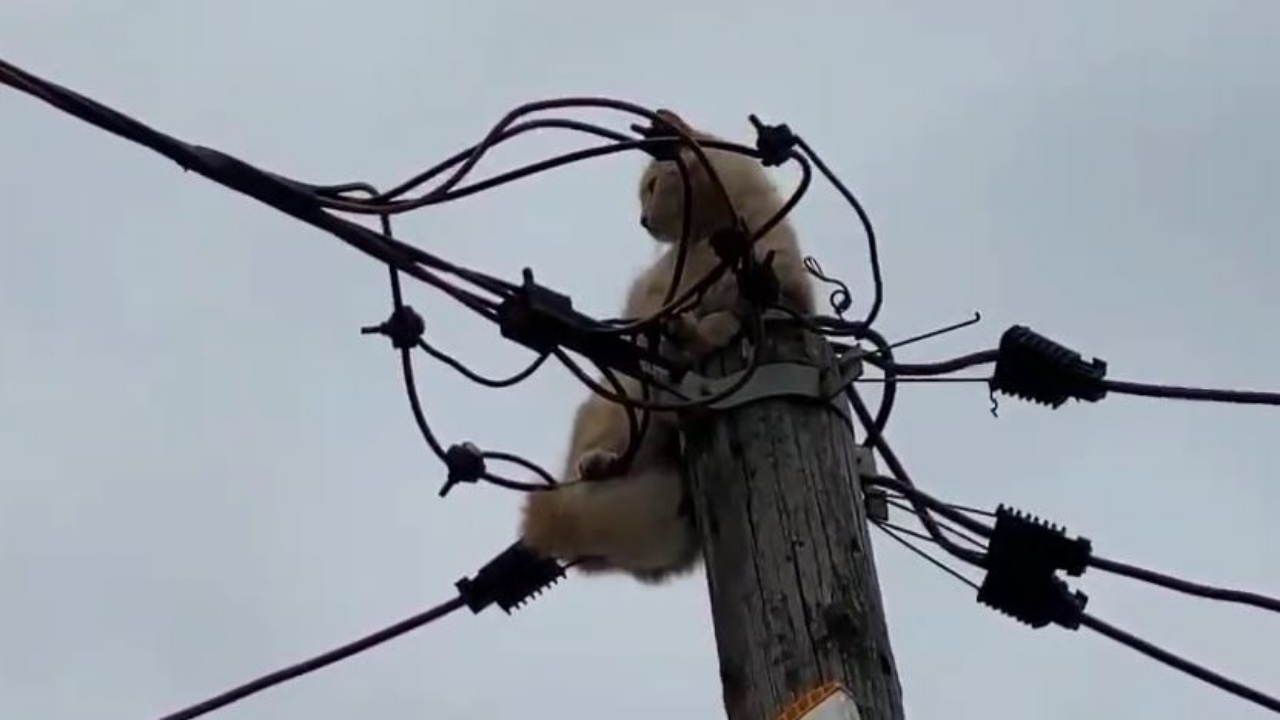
[[428, 435], [983, 357], [873, 248], [548, 481], [698, 288], [1177, 662], [283, 194], [479, 379], [572, 102], [1176, 392], [686, 229], [1241, 597], [969, 509], [907, 487], [415, 405], [635, 426], [755, 325], [322, 660], [380, 203], [916, 495], [889, 393]]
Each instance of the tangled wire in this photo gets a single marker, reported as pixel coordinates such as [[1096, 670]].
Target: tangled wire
[[1027, 365]]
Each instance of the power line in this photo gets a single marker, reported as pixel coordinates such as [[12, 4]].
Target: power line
[[1202, 394], [1027, 365], [1187, 587], [1110, 631], [312, 664], [1179, 663], [509, 580]]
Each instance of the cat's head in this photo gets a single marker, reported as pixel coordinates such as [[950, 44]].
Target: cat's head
[[661, 188]]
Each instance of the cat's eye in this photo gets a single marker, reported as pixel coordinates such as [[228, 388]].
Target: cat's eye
[[651, 185]]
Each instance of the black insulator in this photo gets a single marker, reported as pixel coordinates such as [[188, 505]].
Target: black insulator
[[513, 578], [1034, 368]]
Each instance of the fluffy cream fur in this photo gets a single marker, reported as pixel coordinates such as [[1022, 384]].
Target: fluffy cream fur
[[638, 521]]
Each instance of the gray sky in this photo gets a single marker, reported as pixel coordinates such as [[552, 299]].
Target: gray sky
[[208, 473]]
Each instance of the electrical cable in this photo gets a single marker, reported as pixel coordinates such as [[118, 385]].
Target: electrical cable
[[894, 531], [1175, 392], [1241, 597], [1123, 637], [873, 249], [313, 204], [318, 662], [479, 379], [1179, 663], [944, 523], [918, 499]]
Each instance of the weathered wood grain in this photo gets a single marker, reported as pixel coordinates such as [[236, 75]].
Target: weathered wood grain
[[789, 564]]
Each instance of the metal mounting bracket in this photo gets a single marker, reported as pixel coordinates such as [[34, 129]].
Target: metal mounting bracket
[[875, 499], [778, 379]]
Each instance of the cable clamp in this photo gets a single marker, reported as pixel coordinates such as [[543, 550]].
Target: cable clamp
[[1034, 368], [404, 327], [465, 463], [773, 142], [1024, 554]]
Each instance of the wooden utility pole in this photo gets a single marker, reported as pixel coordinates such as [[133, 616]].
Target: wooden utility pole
[[794, 593]]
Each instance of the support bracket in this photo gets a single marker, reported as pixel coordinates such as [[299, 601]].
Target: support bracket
[[775, 380]]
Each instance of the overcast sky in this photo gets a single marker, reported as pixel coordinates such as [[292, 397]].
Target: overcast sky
[[206, 472]]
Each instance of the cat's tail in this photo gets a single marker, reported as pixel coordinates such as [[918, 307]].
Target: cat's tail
[[633, 523]]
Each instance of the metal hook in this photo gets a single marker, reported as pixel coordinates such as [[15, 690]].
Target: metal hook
[[977, 317]]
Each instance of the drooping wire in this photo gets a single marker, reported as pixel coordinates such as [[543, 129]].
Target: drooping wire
[[1177, 392], [1240, 597], [479, 379], [318, 662], [1180, 663]]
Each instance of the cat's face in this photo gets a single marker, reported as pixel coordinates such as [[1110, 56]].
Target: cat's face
[[662, 196]]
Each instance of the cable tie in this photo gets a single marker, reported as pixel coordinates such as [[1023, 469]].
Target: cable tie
[[1032, 367], [465, 463], [511, 579], [773, 142], [405, 327]]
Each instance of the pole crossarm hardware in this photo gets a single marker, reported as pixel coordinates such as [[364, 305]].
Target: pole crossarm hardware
[[770, 380], [780, 491]]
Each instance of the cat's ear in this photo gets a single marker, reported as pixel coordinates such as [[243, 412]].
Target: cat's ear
[[671, 118]]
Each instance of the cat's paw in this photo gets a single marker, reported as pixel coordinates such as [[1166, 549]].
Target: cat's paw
[[596, 464], [715, 330], [682, 328]]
